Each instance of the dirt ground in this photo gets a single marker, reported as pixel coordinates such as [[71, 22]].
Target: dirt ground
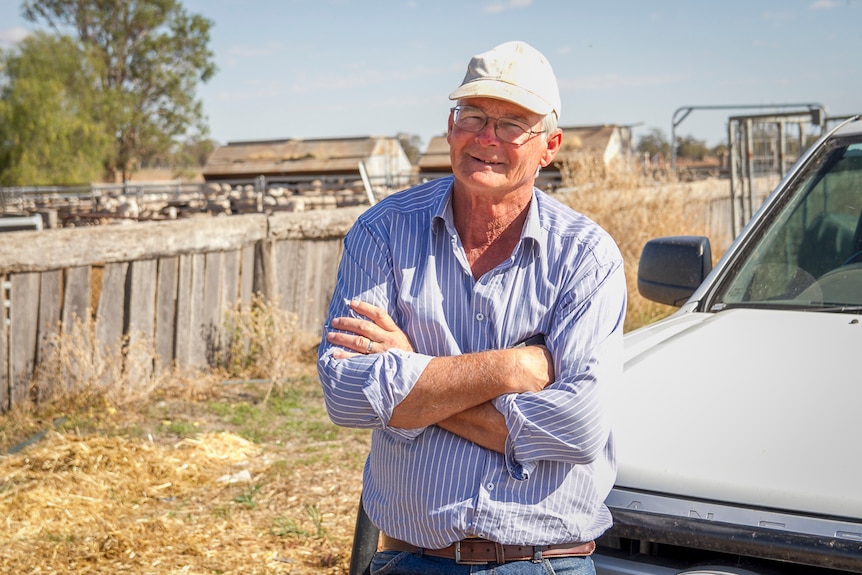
[[200, 478]]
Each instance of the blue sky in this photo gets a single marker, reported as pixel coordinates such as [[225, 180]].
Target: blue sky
[[331, 68]]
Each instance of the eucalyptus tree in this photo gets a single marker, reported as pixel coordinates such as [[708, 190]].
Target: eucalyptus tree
[[50, 131], [148, 57]]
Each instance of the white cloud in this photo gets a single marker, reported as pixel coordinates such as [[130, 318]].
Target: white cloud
[[824, 4], [11, 36]]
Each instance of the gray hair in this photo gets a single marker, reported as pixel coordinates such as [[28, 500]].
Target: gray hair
[[549, 125]]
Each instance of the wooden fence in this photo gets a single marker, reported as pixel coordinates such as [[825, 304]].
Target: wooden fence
[[167, 282]]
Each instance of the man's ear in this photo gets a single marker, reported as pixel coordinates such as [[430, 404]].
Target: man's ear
[[552, 146]]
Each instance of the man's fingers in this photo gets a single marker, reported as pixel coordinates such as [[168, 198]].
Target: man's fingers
[[375, 314], [357, 343], [377, 333], [342, 354], [354, 325], [380, 327]]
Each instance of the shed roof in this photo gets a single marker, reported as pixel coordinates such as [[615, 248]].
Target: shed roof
[[436, 155], [290, 157], [588, 139]]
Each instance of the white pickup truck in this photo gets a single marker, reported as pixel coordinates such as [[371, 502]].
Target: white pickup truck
[[739, 419]]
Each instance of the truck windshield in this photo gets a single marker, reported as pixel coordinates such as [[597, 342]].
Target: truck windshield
[[808, 255]]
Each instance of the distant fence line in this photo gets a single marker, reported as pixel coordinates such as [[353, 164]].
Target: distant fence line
[[76, 204], [171, 281]]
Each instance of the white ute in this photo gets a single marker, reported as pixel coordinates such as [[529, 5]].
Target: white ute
[[738, 422]]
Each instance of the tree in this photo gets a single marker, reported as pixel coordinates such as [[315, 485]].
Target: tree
[[49, 127], [412, 144], [691, 148], [149, 56], [195, 152], [184, 158], [655, 143]]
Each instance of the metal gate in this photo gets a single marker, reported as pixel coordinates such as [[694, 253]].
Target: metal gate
[[762, 148]]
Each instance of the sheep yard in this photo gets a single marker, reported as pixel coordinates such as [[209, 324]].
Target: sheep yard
[[203, 476]]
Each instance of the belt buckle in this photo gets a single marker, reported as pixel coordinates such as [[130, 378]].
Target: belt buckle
[[460, 561], [537, 554]]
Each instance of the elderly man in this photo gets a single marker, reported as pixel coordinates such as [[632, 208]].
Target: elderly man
[[486, 454]]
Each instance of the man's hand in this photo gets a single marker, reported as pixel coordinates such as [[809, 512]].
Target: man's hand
[[535, 368], [376, 334]]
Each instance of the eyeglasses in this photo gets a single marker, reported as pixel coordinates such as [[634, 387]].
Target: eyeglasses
[[509, 130]]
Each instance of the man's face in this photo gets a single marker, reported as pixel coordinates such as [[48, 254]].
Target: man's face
[[481, 161]]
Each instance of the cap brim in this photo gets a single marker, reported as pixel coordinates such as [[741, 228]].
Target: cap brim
[[502, 91]]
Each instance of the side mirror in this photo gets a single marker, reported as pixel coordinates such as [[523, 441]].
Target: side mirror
[[672, 268]]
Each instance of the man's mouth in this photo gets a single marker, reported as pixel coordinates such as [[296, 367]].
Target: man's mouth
[[488, 162]]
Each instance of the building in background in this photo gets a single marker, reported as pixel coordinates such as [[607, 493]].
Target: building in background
[[327, 163]]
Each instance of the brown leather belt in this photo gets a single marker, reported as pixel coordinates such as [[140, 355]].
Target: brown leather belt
[[480, 551]]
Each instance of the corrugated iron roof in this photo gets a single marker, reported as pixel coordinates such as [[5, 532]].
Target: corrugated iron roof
[[290, 156], [436, 156], [589, 139]]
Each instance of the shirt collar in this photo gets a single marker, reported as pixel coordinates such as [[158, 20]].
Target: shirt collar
[[442, 217]]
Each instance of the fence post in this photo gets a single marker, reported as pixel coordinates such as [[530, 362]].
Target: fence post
[[265, 270], [5, 402]]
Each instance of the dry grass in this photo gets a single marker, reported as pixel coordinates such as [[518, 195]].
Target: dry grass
[[72, 362], [119, 472], [634, 207], [210, 503], [265, 344]]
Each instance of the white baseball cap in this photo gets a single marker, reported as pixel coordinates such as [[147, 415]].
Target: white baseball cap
[[515, 72]]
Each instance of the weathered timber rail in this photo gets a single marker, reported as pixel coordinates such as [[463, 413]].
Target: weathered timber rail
[[170, 282]]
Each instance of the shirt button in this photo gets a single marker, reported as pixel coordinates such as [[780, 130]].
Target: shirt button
[[480, 316], [489, 486]]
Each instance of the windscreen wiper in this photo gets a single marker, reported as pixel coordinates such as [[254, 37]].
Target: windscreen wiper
[[828, 307], [835, 308]]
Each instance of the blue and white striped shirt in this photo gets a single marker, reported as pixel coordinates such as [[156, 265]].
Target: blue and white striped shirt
[[565, 280]]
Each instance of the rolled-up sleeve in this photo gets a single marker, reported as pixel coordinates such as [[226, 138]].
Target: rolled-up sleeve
[[362, 391], [567, 421]]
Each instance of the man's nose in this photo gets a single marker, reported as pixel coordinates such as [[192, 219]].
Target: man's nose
[[488, 131]]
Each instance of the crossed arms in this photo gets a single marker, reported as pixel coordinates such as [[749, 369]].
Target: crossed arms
[[453, 392]]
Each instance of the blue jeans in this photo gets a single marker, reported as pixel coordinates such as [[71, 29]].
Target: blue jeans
[[403, 563]]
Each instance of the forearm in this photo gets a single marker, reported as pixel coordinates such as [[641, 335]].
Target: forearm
[[482, 424], [451, 385]]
